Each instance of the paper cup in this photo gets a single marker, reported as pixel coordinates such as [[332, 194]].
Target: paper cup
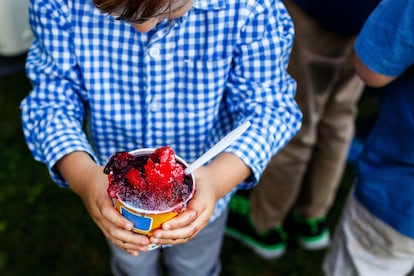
[[145, 221]]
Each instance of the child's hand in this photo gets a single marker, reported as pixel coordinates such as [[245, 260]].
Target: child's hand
[[115, 227], [90, 183], [212, 182], [197, 215]]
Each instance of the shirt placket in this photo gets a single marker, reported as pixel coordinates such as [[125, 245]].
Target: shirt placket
[[154, 121]]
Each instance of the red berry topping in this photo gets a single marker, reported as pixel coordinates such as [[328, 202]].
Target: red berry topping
[[120, 162], [165, 155], [135, 179], [150, 182]]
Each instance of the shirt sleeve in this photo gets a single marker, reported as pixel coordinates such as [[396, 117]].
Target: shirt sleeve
[[261, 90], [386, 42], [52, 114]]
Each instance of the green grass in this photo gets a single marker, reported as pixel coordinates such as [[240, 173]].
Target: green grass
[[45, 230]]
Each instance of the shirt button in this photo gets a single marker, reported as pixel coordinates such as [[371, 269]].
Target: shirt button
[[155, 106], [154, 52]]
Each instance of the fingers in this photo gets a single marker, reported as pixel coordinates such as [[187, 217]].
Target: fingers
[[185, 218], [118, 229], [187, 224], [129, 247], [169, 241], [128, 241], [109, 213], [112, 215], [178, 230]]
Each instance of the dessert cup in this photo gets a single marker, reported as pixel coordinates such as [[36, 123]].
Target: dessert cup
[[145, 221]]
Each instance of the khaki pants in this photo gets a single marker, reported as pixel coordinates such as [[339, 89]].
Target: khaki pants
[[304, 176]]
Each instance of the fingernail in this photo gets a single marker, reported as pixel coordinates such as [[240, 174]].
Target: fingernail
[[129, 226], [166, 227]]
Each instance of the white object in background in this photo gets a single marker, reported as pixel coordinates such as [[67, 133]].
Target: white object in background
[[15, 33]]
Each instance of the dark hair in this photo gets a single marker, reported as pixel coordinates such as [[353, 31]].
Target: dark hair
[[133, 9]]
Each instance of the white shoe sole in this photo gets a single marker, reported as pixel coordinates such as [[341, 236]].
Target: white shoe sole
[[316, 245]]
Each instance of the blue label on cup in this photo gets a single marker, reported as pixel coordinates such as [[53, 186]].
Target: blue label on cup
[[140, 223]]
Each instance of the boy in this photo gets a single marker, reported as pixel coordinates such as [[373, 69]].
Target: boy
[[137, 74], [376, 233]]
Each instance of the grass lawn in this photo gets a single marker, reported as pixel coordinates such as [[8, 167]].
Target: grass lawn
[[44, 229]]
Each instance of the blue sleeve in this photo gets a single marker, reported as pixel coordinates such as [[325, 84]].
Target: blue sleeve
[[53, 113], [386, 42], [261, 89]]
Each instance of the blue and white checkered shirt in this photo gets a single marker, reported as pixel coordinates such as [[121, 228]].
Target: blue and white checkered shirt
[[100, 86]]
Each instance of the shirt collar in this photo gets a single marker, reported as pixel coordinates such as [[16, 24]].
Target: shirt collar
[[209, 4]]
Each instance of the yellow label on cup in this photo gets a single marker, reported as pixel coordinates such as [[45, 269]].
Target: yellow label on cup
[[144, 223]]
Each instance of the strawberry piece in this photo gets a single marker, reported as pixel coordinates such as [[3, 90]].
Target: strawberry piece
[[165, 155], [157, 174], [135, 179]]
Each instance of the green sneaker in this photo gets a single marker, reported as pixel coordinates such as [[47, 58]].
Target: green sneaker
[[313, 233], [270, 244]]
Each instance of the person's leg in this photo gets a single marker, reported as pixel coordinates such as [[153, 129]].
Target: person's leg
[[199, 256], [317, 64], [363, 245], [313, 162], [335, 131], [123, 264], [261, 226], [307, 172], [272, 199]]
